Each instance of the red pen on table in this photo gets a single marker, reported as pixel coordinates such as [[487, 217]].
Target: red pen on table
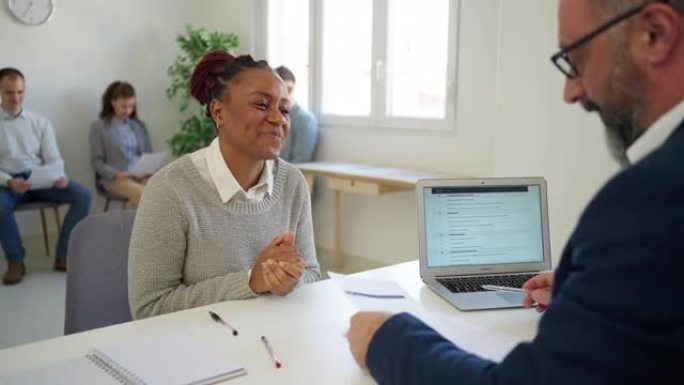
[[271, 353]]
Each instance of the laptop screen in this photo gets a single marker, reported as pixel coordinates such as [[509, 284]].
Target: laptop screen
[[483, 225]]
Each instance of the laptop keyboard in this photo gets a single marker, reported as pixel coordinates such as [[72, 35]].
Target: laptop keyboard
[[473, 284]]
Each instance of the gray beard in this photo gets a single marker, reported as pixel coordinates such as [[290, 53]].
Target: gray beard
[[620, 132], [617, 146], [623, 109]]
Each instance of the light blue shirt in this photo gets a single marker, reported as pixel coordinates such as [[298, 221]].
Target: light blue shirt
[[26, 142], [300, 145], [129, 143]]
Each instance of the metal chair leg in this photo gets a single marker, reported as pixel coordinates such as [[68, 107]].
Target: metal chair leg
[[45, 234]]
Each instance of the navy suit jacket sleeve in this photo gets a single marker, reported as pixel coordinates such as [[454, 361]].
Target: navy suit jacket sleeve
[[406, 351], [616, 316]]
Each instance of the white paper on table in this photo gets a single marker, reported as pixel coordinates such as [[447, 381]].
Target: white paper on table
[[373, 295], [45, 176], [472, 338], [149, 164], [484, 342]]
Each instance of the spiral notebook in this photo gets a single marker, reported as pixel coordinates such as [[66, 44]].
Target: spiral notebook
[[167, 360]]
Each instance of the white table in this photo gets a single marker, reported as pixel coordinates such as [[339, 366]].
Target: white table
[[305, 328]]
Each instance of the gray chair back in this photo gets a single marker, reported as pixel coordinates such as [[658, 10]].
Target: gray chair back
[[97, 273]]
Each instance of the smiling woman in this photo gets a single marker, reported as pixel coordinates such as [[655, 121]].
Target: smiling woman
[[232, 220], [248, 103]]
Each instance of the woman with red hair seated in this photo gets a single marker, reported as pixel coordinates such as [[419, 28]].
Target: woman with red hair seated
[[232, 220]]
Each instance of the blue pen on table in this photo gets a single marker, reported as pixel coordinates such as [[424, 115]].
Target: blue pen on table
[[504, 288], [386, 296], [220, 320]]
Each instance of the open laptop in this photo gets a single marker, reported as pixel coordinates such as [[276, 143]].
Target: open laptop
[[482, 231]]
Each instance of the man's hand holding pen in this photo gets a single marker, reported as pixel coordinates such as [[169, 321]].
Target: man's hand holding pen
[[539, 289]]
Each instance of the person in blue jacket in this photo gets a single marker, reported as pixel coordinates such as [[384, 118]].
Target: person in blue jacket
[[616, 313]]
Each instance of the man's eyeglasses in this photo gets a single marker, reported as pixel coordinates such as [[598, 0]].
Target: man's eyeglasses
[[562, 58]]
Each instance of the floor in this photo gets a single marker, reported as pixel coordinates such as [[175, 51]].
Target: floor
[[34, 309]]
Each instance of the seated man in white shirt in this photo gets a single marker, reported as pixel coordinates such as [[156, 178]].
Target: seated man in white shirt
[[28, 141]]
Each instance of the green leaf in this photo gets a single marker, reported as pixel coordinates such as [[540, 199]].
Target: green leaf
[[196, 130]]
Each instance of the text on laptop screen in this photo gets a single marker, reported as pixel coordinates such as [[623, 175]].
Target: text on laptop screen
[[483, 225]]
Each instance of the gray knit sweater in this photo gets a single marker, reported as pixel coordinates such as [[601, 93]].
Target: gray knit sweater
[[189, 249]]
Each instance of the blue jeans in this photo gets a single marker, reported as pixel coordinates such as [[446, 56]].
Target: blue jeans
[[76, 196]]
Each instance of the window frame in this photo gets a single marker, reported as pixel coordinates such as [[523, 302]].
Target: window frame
[[378, 117]]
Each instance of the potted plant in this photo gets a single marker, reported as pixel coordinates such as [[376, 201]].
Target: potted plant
[[196, 129]]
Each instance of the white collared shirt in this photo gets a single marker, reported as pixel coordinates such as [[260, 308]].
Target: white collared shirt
[[213, 168], [657, 134]]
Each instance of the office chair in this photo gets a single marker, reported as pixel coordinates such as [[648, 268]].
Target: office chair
[[97, 277]]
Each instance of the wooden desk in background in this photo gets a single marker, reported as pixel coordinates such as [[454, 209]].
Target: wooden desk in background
[[360, 179]]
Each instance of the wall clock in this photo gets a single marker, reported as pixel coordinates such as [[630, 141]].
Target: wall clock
[[31, 12]]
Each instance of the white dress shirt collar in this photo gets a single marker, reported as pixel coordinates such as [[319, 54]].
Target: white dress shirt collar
[[4, 115], [657, 134], [225, 182]]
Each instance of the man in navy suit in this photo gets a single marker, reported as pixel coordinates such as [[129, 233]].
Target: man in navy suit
[[615, 313]]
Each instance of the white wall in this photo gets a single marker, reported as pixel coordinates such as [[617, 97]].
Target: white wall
[[511, 122], [236, 16], [536, 132], [69, 61]]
